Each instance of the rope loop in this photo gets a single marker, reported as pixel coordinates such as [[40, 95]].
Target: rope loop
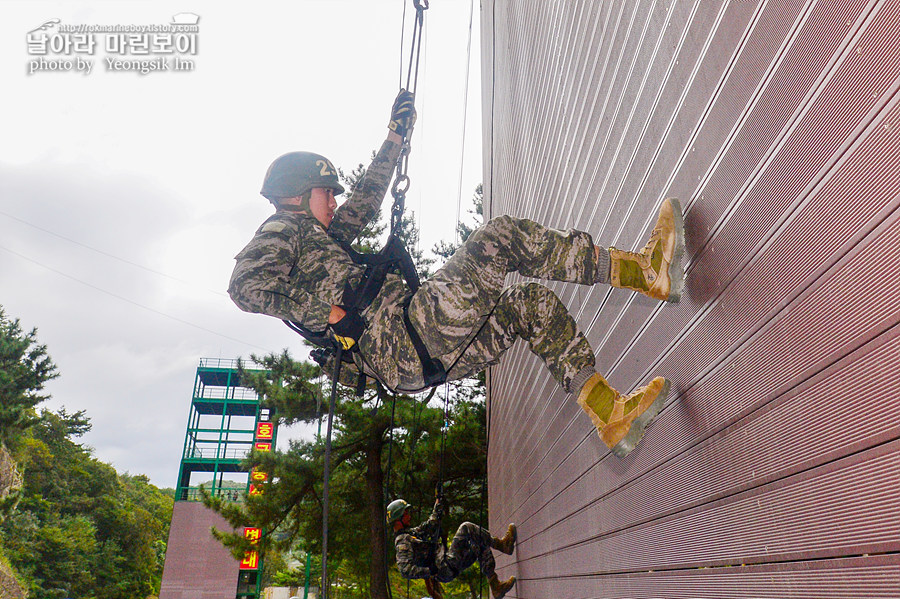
[[420, 4]]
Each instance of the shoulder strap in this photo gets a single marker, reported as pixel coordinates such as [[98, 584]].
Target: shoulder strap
[[393, 255]]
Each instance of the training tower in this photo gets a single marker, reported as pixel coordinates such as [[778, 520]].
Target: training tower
[[225, 422]]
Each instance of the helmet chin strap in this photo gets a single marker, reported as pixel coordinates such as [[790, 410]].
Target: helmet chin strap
[[302, 206]]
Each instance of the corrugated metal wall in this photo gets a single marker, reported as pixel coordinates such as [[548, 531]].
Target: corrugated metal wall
[[774, 469]]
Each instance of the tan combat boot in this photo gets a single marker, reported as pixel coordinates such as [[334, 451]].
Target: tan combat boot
[[657, 270], [507, 543], [499, 589], [621, 419]]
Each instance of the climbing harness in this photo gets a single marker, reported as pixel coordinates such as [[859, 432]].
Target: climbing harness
[[393, 256]]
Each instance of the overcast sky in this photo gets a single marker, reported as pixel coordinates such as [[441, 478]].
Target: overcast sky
[[124, 197]]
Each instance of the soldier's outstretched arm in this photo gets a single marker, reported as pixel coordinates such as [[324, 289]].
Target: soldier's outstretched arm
[[431, 528], [261, 280], [366, 198]]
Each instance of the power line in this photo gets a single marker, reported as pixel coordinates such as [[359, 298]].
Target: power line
[[108, 255], [132, 302], [462, 156]]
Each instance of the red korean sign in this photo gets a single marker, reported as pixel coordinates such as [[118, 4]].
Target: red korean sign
[[251, 558], [265, 430]]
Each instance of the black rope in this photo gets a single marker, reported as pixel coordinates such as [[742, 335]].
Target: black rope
[[445, 426], [327, 475], [418, 408], [388, 488], [412, 77], [483, 516], [387, 495]]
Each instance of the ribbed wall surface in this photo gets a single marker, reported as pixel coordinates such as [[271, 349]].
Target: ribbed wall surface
[[774, 469], [197, 565]]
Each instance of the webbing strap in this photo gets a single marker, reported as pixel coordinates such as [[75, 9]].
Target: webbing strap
[[433, 372]]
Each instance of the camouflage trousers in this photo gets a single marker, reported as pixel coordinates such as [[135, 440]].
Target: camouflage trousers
[[468, 317], [471, 543]]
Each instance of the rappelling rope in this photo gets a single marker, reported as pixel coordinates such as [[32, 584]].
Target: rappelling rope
[[402, 182], [398, 191], [445, 426], [327, 474]]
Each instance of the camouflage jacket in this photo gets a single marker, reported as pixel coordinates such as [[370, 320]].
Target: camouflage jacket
[[294, 269], [419, 549]]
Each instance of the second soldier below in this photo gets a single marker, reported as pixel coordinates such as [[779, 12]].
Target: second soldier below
[[421, 554]]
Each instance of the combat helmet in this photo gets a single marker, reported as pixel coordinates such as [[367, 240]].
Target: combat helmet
[[295, 173], [395, 510]]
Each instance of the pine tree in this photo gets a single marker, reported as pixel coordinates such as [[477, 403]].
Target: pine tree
[[25, 368], [73, 526]]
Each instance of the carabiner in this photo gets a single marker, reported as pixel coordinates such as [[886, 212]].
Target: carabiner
[[396, 189]]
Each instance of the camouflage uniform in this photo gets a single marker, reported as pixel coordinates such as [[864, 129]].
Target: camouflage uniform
[[294, 269], [420, 553]]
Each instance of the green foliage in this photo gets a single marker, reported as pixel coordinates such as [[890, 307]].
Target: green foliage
[[24, 369], [80, 528], [75, 527], [444, 249], [292, 573]]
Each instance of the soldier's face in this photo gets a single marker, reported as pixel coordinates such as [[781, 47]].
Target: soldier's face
[[322, 205]]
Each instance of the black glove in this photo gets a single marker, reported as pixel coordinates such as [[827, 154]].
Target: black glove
[[349, 329], [439, 505], [403, 113], [320, 356]]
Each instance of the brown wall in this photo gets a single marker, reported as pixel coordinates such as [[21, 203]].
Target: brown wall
[[197, 565], [774, 469]]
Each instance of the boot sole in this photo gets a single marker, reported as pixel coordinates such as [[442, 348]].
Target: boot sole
[[636, 432], [676, 268]]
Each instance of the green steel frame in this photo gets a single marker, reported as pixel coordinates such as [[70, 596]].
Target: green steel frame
[[221, 431]]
